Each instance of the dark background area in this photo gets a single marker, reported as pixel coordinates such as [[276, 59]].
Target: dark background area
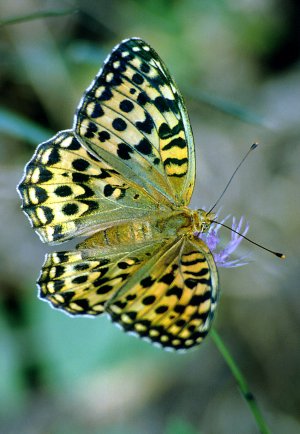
[[238, 66]]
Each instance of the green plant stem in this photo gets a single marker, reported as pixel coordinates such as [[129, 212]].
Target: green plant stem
[[36, 16], [242, 383]]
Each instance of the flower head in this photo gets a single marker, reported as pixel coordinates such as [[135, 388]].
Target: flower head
[[223, 256]]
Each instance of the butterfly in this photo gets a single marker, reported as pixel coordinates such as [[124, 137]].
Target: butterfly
[[123, 177]]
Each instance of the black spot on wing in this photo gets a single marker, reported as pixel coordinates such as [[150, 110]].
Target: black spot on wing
[[126, 106], [145, 67], [88, 192], [48, 213], [161, 104], [63, 191], [193, 261], [196, 300], [74, 145], [167, 278], [80, 164], [144, 146], [175, 290], [104, 174], [70, 209], [81, 267], [44, 174], [97, 111], [180, 322], [138, 78], [201, 272], [108, 190], [124, 151], [106, 95], [147, 125], [150, 299], [143, 98], [54, 157], [79, 177], [79, 279], [119, 124], [40, 194], [103, 136], [147, 282], [179, 308], [165, 131], [104, 289], [177, 142], [91, 130], [175, 161], [161, 309], [132, 315]]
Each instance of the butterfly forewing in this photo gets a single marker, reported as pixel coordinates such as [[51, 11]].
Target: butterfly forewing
[[133, 116], [67, 192]]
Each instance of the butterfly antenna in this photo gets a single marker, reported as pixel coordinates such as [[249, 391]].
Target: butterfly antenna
[[279, 255], [232, 176]]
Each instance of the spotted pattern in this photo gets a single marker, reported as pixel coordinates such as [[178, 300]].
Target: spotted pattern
[[135, 101], [174, 304], [123, 177], [80, 283], [66, 192]]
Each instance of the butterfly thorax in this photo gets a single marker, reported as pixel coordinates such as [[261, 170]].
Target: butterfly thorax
[[203, 220]]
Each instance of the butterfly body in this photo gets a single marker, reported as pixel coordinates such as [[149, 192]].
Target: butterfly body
[[124, 176]]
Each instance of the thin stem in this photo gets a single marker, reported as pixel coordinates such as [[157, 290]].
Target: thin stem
[[241, 382], [36, 15]]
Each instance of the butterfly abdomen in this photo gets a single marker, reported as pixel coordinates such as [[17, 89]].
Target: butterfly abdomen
[[127, 233], [163, 227]]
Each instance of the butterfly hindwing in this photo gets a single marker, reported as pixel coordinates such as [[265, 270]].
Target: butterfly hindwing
[[81, 282], [164, 292], [133, 116], [173, 301]]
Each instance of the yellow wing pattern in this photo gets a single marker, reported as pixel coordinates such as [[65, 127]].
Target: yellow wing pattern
[[67, 192], [163, 292], [82, 281], [133, 116], [173, 299]]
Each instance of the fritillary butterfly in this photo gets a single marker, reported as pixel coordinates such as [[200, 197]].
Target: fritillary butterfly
[[123, 176]]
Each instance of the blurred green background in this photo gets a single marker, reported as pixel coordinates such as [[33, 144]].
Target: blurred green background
[[238, 66]]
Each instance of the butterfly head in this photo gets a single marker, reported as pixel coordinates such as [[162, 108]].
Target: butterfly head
[[204, 220]]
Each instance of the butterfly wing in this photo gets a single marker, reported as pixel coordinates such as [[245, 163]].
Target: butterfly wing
[[133, 117], [171, 301], [164, 292], [67, 192], [82, 281]]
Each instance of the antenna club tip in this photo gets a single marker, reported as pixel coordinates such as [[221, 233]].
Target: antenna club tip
[[280, 255], [255, 145]]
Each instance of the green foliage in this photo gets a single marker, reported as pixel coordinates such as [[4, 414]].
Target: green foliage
[[17, 126]]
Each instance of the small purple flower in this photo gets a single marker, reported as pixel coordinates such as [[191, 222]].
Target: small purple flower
[[223, 256]]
